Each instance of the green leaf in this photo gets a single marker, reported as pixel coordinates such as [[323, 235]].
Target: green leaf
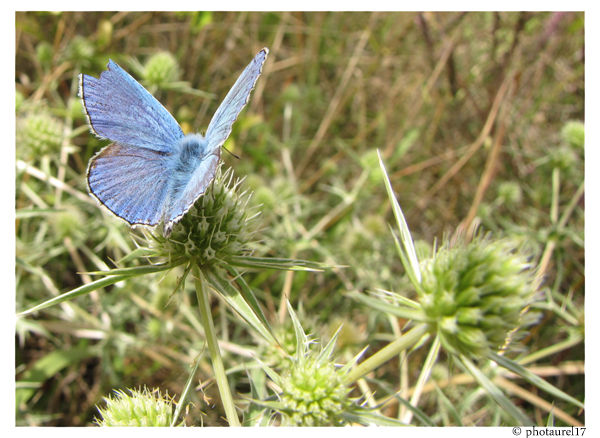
[[82, 290], [386, 307], [247, 294], [271, 404], [234, 298], [363, 416], [301, 338], [136, 271], [257, 416], [189, 385], [27, 213], [136, 254], [409, 248], [352, 362], [533, 379], [496, 394], [276, 263], [327, 351], [448, 406]]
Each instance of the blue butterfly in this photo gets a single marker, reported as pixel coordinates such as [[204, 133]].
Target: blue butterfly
[[152, 172]]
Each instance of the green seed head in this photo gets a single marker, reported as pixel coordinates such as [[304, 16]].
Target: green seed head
[[39, 134], [475, 294], [313, 394], [573, 133], [104, 33], [563, 157], [510, 193], [160, 69], [80, 50], [218, 226], [140, 408], [67, 223]]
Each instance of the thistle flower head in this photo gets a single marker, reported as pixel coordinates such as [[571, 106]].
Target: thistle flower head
[[474, 295], [160, 69], [313, 393], [139, 408], [80, 50], [573, 133], [510, 193], [219, 225], [39, 134]]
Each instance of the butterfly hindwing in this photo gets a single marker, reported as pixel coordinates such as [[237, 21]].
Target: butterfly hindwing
[[221, 123], [131, 181], [186, 189], [121, 110]]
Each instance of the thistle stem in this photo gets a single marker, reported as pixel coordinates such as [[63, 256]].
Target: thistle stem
[[408, 340], [213, 347]]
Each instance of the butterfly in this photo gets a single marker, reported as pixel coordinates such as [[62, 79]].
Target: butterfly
[[152, 172]]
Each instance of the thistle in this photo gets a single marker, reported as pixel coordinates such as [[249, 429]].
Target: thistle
[[313, 393], [473, 295], [573, 133], [138, 408], [219, 226], [161, 69], [39, 134]]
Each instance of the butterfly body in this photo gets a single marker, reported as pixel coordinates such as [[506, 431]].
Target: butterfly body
[[152, 172]]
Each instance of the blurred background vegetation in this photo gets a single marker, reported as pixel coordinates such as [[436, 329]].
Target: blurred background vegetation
[[479, 119]]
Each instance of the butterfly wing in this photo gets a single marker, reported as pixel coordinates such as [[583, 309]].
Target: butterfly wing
[[221, 123], [186, 188], [131, 181], [120, 109]]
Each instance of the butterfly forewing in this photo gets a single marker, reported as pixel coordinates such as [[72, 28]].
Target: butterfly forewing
[[120, 109], [221, 123]]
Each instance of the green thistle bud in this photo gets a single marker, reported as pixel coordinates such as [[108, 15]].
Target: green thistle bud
[[39, 134], [218, 226], [313, 394], [563, 157], [139, 408], [573, 133], [510, 193], [67, 223], [104, 33], [43, 53], [370, 162], [474, 295], [160, 69], [291, 93], [80, 50]]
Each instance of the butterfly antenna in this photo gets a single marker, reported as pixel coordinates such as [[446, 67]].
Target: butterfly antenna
[[231, 153]]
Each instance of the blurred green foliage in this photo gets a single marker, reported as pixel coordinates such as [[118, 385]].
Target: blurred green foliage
[[472, 112]]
